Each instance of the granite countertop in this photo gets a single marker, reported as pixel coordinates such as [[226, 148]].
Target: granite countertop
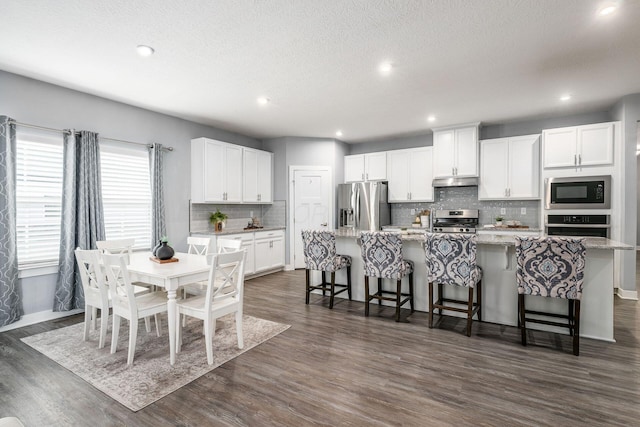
[[499, 239], [235, 231]]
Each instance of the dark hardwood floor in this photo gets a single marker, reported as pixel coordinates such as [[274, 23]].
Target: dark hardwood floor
[[336, 367]]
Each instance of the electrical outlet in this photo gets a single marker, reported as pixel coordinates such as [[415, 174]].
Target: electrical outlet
[[503, 211], [250, 214], [413, 211], [523, 211]]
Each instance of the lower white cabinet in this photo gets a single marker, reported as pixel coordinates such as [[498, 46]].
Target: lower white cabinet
[[269, 250]]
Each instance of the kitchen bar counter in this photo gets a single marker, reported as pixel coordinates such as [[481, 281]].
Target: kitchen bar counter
[[496, 256], [233, 231]]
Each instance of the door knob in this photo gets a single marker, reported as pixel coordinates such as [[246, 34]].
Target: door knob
[[324, 224]]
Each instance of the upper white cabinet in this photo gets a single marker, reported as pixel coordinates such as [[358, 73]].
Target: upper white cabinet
[[455, 151], [510, 168], [578, 146], [216, 171], [365, 167], [410, 174], [258, 170]]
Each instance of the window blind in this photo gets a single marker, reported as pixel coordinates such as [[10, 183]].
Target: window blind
[[38, 196], [126, 193]]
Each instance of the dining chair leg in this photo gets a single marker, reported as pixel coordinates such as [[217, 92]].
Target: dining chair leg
[[133, 336], [349, 282], [239, 329], [470, 311], [366, 296], [94, 318], [333, 288], [208, 336], [156, 317], [147, 324], [87, 322], [308, 290], [115, 332], [430, 304], [104, 324]]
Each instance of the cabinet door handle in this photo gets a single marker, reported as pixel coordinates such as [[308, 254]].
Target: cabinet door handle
[[505, 192], [580, 159], [324, 224], [367, 175], [575, 159], [363, 176], [509, 192], [410, 196]]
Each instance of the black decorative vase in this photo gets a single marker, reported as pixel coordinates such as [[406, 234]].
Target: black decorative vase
[[156, 247], [165, 252]]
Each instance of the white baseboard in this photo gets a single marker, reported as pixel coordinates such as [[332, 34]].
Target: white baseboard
[[289, 267], [41, 316], [624, 294]]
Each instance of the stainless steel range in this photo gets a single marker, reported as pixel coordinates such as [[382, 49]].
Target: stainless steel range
[[455, 221]]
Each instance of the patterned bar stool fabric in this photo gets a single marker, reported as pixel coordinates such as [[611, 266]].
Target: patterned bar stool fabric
[[551, 267], [382, 257], [320, 254], [451, 260]]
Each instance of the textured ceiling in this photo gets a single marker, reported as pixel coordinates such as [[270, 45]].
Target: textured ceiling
[[461, 60]]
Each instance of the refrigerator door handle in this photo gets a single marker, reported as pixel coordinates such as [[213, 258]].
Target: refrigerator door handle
[[356, 222]]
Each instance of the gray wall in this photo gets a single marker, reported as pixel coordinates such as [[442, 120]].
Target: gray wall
[[627, 110], [38, 103]]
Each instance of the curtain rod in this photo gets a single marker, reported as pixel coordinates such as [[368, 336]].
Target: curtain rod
[[67, 132]]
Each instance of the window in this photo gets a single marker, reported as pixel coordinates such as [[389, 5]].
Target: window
[[38, 196], [126, 192]]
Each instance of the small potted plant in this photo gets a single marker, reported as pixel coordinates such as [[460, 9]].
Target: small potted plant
[[499, 220], [216, 219]]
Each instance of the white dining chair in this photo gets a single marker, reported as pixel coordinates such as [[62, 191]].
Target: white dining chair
[[198, 245], [223, 246], [96, 293], [117, 247], [128, 305], [224, 295]]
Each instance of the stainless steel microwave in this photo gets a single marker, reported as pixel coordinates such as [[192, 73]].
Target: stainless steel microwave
[[585, 192]]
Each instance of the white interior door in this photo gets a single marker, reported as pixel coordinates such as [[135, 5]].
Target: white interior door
[[312, 206]]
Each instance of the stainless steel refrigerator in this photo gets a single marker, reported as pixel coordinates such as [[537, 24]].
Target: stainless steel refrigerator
[[363, 205]]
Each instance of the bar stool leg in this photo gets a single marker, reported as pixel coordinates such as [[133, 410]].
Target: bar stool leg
[[411, 291], [324, 283], [576, 332], [379, 293], [366, 296], [522, 317], [469, 311], [440, 297], [479, 299], [333, 288], [308, 289], [349, 282], [398, 298], [430, 305], [571, 318]]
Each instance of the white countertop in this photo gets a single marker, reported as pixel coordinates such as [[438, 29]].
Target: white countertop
[[234, 231], [499, 238]]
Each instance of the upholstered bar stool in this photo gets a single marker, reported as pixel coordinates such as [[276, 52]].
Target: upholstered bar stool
[[451, 260], [320, 254], [551, 267], [382, 257]]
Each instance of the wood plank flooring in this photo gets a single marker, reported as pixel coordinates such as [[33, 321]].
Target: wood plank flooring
[[336, 367]]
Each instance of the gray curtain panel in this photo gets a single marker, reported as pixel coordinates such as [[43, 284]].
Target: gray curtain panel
[[82, 214], [156, 168], [10, 298]]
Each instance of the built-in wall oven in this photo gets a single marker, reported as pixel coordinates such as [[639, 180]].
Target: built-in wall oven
[[578, 225], [586, 192]]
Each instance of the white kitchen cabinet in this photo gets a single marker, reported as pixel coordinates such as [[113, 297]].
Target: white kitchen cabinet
[[257, 179], [455, 151], [269, 250], [365, 167], [216, 171], [410, 175], [510, 168], [578, 146]]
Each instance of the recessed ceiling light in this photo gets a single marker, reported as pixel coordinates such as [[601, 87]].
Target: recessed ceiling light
[[565, 98], [385, 68], [263, 100], [431, 118], [145, 50], [338, 133], [607, 10]]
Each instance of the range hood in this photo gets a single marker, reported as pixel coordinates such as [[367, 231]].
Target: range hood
[[454, 181]]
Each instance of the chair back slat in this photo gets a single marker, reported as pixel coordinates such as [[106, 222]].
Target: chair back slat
[[92, 277], [228, 245], [550, 266], [451, 259], [198, 245], [226, 277], [122, 292], [117, 247]]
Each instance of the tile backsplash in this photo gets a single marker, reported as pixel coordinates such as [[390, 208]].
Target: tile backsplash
[[467, 198], [273, 215]]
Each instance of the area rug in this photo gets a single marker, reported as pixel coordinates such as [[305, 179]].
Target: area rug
[[151, 377]]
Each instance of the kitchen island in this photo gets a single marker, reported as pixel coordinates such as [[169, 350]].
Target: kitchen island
[[496, 256]]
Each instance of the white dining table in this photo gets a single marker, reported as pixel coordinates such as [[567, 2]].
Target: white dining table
[[171, 276]]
